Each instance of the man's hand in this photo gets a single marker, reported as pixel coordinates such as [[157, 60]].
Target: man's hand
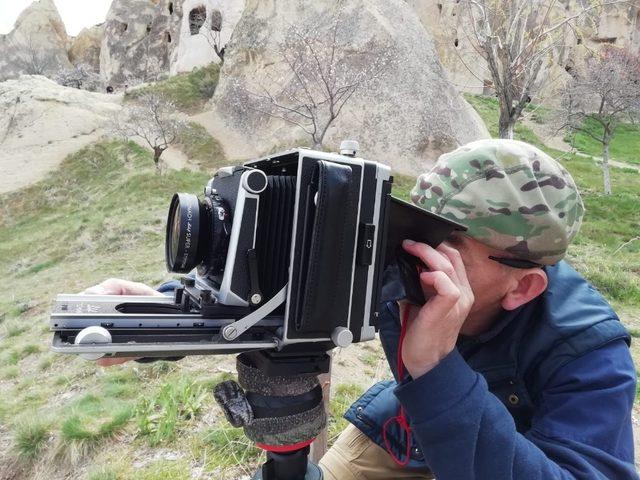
[[432, 330], [116, 286]]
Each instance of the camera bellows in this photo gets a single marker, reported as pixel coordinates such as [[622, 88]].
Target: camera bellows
[[273, 237]]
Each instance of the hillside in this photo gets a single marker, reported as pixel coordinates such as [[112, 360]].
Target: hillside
[[102, 214]]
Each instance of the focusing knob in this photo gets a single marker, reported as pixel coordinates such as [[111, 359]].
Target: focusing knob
[[92, 335], [254, 181]]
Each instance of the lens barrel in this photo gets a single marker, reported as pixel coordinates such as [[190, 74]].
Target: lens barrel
[[184, 225]]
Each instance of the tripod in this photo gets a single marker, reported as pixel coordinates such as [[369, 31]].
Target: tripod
[[278, 401]]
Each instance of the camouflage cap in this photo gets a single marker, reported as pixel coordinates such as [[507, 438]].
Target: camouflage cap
[[510, 195]]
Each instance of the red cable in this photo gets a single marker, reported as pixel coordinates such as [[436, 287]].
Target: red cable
[[401, 418]]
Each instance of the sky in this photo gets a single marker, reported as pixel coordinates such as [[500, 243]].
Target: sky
[[76, 14]]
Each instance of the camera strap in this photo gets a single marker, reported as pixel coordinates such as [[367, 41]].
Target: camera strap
[[401, 418]]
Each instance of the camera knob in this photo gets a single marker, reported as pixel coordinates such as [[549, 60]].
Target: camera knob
[[342, 337], [92, 335], [349, 148], [254, 181]]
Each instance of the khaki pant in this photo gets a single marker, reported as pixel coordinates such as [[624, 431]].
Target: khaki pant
[[355, 457]]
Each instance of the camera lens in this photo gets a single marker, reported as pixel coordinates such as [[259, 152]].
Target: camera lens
[[197, 234], [183, 233]]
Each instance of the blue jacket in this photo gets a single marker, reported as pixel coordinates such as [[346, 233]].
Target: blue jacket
[[545, 394]]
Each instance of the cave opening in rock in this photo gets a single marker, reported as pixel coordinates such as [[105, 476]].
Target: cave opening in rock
[[216, 21], [170, 8], [197, 16], [124, 27], [148, 28], [168, 37], [456, 43]]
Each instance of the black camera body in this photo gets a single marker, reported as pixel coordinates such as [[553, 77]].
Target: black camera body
[[288, 252]]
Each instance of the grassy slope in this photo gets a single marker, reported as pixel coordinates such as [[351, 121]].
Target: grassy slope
[[188, 91], [625, 146], [102, 216], [98, 216]]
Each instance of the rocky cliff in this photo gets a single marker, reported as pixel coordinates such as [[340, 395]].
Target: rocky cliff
[[85, 48], [37, 44], [138, 40]]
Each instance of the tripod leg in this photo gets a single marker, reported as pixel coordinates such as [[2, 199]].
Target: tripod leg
[[289, 466]]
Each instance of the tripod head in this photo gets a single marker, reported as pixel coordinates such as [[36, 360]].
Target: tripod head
[[278, 402]]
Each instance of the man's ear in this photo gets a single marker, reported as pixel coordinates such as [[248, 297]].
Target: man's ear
[[526, 287]]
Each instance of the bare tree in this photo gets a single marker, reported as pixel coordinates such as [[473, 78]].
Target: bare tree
[[519, 40], [80, 76], [153, 119], [606, 93], [319, 73], [31, 59]]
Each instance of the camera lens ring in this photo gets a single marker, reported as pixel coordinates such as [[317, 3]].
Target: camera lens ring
[[218, 235], [183, 232]]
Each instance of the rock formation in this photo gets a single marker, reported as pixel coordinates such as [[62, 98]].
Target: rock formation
[[150, 39], [138, 40], [406, 116], [37, 44], [43, 122], [205, 28], [85, 48]]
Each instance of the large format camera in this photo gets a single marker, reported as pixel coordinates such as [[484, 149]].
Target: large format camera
[[284, 253]]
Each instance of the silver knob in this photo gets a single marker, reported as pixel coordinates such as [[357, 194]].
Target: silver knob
[[342, 337], [92, 335], [254, 181], [349, 148]]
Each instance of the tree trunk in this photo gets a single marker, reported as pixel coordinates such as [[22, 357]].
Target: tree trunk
[[505, 125], [605, 166], [157, 151]]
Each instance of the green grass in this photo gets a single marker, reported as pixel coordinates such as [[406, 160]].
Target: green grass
[[229, 447], [30, 437], [196, 143], [103, 473], [96, 217], [487, 108], [89, 421], [158, 417], [166, 470], [625, 145], [188, 91], [342, 398]]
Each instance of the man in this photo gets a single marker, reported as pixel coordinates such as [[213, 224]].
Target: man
[[515, 368]]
